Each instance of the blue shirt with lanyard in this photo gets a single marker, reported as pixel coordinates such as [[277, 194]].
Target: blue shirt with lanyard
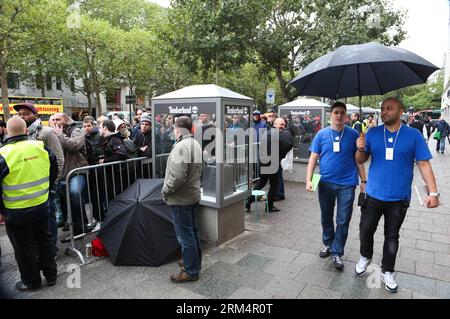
[[337, 155], [391, 168]]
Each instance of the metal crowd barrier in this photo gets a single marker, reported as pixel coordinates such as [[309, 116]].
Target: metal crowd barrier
[[103, 183]]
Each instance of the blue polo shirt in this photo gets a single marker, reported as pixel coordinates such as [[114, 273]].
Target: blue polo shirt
[[337, 167], [391, 180]]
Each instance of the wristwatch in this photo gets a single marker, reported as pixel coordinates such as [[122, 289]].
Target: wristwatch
[[363, 182], [434, 194]]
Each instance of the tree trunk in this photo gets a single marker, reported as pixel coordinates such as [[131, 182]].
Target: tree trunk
[[99, 102], [4, 82], [282, 83], [90, 108]]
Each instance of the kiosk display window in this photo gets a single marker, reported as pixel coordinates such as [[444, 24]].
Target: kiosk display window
[[236, 149], [304, 124]]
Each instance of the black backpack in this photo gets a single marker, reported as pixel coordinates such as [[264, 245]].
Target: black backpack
[[131, 148]]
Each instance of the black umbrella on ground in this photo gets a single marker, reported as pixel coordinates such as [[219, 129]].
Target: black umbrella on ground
[[362, 69], [138, 229]]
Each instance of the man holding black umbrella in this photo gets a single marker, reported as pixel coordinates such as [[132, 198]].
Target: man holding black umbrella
[[393, 148]]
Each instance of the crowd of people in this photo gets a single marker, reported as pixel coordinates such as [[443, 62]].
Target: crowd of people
[[342, 146], [34, 162]]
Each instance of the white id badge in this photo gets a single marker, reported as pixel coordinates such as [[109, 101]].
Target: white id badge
[[389, 154], [336, 147]]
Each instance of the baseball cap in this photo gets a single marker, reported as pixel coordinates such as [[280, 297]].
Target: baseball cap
[[256, 112], [25, 105]]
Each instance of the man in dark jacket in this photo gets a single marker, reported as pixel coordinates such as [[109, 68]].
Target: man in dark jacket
[[114, 150], [24, 163], [143, 138], [94, 152], [417, 124], [270, 162], [442, 127], [94, 146]]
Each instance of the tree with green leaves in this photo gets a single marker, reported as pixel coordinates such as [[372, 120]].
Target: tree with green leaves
[[26, 26], [97, 51], [214, 35], [297, 32]]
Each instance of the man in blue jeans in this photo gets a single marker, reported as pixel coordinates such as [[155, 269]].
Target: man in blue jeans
[[393, 148], [335, 147], [181, 191]]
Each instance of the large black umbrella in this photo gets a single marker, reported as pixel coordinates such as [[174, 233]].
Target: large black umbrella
[[138, 229], [362, 69]]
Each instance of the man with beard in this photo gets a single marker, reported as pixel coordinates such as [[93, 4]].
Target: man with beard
[[38, 132], [393, 148], [74, 148]]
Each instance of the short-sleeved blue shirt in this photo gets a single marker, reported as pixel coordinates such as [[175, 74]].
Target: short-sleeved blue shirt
[[391, 180], [336, 167]]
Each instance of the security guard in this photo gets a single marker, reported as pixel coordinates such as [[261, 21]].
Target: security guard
[[28, 170]]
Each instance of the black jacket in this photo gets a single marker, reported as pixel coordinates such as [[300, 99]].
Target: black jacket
[[114, 149], [4, 171], [286, 142], [141, 140], [94, 147]]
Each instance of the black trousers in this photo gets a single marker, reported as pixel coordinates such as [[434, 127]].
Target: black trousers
[[394, 213], [273, 181], [33, 245]]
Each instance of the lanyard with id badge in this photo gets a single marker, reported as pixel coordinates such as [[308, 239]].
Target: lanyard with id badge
[[390, 150], [336, 141]]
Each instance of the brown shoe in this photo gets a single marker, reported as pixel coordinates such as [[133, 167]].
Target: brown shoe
[[181, 263], [182, 277]]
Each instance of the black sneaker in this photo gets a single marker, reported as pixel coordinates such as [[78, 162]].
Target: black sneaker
[[51, 281], [21, 286], [273, 209], [324, 253], [337, 262]]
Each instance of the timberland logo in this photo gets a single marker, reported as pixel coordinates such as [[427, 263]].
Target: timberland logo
[[183, 110]]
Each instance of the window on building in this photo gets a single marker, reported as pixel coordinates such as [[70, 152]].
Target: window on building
[[58, 84], [48, 82], [13, 80]]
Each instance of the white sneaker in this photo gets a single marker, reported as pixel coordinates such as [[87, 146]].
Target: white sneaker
[[97, 227], [362, 264], [389, 281]]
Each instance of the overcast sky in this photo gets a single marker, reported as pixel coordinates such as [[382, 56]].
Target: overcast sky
[[426, 26]]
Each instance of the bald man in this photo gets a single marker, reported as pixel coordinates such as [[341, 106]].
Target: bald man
[[270, 158], [28, 170]]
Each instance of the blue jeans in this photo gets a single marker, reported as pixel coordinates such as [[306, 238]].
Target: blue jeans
[[329, 194], [280, 192], [442, 144], [188, 237], [78, 192]]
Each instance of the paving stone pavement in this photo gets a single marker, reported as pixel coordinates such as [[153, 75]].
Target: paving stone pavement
[[276, 257]]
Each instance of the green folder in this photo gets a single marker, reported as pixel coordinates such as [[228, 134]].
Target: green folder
[[315, 181]]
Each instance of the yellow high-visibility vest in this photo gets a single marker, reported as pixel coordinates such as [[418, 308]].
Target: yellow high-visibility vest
[[27, 183]]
